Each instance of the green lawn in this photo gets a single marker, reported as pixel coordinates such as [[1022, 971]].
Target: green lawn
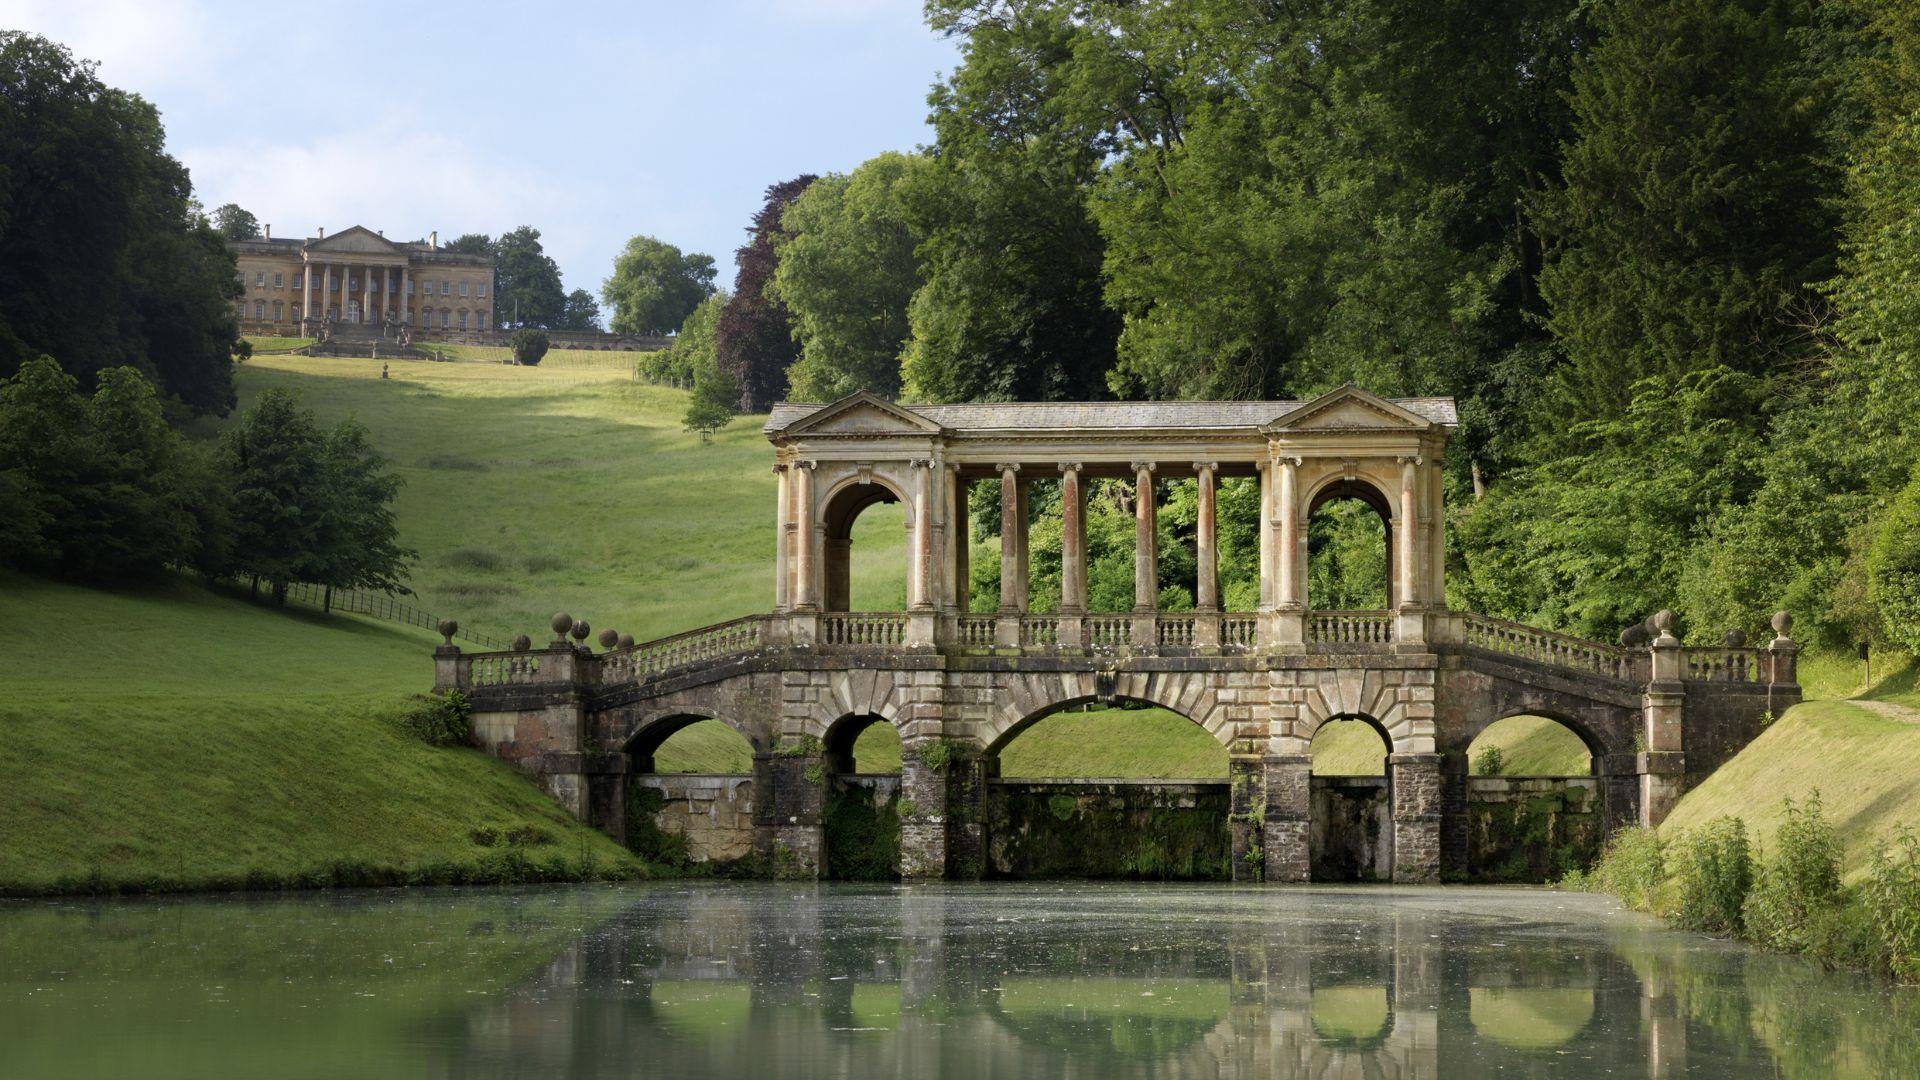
[[569, 487], [181, 737], [275, 344]]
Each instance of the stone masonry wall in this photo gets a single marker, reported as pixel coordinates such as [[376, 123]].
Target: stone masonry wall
[[714, 813]]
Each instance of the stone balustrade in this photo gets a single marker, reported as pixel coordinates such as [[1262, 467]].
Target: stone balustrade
[[1350, 628]]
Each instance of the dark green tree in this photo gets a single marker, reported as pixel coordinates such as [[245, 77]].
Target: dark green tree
[[471, 244], [92, 206], [234, 222], [753, 340], [529, 346], [527, 289], [581, 313], [359, 537], [655, 287]]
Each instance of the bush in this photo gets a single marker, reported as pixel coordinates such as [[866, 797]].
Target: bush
[[1795, 891], [1489, 762], [529, 346], [1632, 868], [1893, 568], [1712, 874], [440, 719], [1891, 895]]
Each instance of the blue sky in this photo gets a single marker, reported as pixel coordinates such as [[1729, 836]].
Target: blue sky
[[589, 121]]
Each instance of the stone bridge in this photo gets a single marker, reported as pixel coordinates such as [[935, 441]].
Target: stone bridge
[[801, 682]]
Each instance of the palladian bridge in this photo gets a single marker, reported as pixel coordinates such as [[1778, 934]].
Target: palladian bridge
[[802, 681]]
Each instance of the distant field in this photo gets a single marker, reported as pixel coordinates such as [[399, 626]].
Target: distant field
[[261, 344], [568, 487]]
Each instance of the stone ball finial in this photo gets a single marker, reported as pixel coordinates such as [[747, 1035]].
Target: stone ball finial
[[1782, 622], [608, 638], [1663, 622], [521, 643], [1635, 635], [626, 641], [561, 623], [448, 628], [581, 629], [1736, 639]]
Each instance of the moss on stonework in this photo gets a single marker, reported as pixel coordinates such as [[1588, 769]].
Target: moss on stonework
[[645, 837], [863, 835], [1118, 831], [1532, 840]]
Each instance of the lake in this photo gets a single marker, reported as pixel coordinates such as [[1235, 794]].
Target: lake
[[1067, 979]]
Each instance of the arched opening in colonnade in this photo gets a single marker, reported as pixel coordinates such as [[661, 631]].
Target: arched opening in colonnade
[[1350, 561], [864, 558], [1350, 809]]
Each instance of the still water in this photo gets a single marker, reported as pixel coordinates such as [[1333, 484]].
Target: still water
[[1056, 980]]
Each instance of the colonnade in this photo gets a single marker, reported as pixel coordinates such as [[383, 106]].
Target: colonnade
[[388, 300]]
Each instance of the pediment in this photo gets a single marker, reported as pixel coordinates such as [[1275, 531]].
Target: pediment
[[863, 414], [1350, 408], [357, 240]]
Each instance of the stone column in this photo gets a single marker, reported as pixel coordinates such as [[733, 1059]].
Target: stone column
[[306, 299], [1454, 822], [1007, 631], [920, 616], [1290, 622], [1409, 532], [1285, 824], [960, 530], [1782, 670], [406, 287], [1023, 519], [782, 550], [806, 598], [923, 818], [1416, 792], [1206, 585], [1662, 765], [1146, 561], [791, 806], [366, 294], [1269, 588], [1073, 556]]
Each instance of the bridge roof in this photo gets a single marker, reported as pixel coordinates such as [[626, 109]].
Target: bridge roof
[[1082, 416]]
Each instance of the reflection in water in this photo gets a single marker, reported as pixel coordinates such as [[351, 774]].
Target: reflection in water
[[941, 981]]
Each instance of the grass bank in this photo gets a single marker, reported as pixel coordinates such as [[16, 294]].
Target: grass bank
[[177, 738]]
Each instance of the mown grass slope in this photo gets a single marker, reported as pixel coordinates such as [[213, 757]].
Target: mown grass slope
[[177, 737]]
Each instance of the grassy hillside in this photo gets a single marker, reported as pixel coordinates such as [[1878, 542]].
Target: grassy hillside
[[570, 487], [185, 738]]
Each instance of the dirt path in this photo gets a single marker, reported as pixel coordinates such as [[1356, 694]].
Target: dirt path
[[1890, 710]]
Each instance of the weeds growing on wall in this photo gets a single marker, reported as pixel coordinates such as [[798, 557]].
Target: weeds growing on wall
[[1791, 899], [863, 835], [439, 719]]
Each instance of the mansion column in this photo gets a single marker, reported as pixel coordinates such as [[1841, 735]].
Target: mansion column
[[1146, 562], [306, 298], [406, 292], [920, 620], [1073, 556], [366, 294], [1007, 632], [1206, 585]]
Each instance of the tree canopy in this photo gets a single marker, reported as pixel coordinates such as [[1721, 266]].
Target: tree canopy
[[753, 339], [233, 222], [655, 286], [527, 289]]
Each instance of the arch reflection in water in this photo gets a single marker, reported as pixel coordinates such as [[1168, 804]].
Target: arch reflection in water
[[945, 981]]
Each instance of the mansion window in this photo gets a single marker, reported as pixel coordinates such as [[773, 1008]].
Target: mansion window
[[279, 281], [463, 318], [259, 279], [480, 289], [446, 288], [299, 281], [445, 318], [463, 288], [259, 309], [276, 311]]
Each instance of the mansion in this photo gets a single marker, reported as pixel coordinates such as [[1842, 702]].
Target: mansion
[[359, 277]]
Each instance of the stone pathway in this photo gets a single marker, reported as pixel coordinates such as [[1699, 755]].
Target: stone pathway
[[1890, 710]]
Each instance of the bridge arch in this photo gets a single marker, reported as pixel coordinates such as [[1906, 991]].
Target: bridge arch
[[840, 506], [1596, 746], [656, 727], [1367, 491], [1026, 699]]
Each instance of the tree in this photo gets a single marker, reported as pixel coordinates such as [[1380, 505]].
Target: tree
[[234, 223], [529, 346], [1692, 125], [527, 290], [692, 350], [1893, 568], [847, 272], [753, 339], [359, 546], [655, 287], [92, 206], [471, 244], [581, 312]]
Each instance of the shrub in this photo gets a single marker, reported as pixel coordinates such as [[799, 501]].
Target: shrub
[[440, 719], [1794, 890], [1891, 895], [529, 346], [1489, 762], [1712, 872], [1632, 868]]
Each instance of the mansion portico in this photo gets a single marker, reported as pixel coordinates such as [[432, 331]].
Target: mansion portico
[[358, 277]]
